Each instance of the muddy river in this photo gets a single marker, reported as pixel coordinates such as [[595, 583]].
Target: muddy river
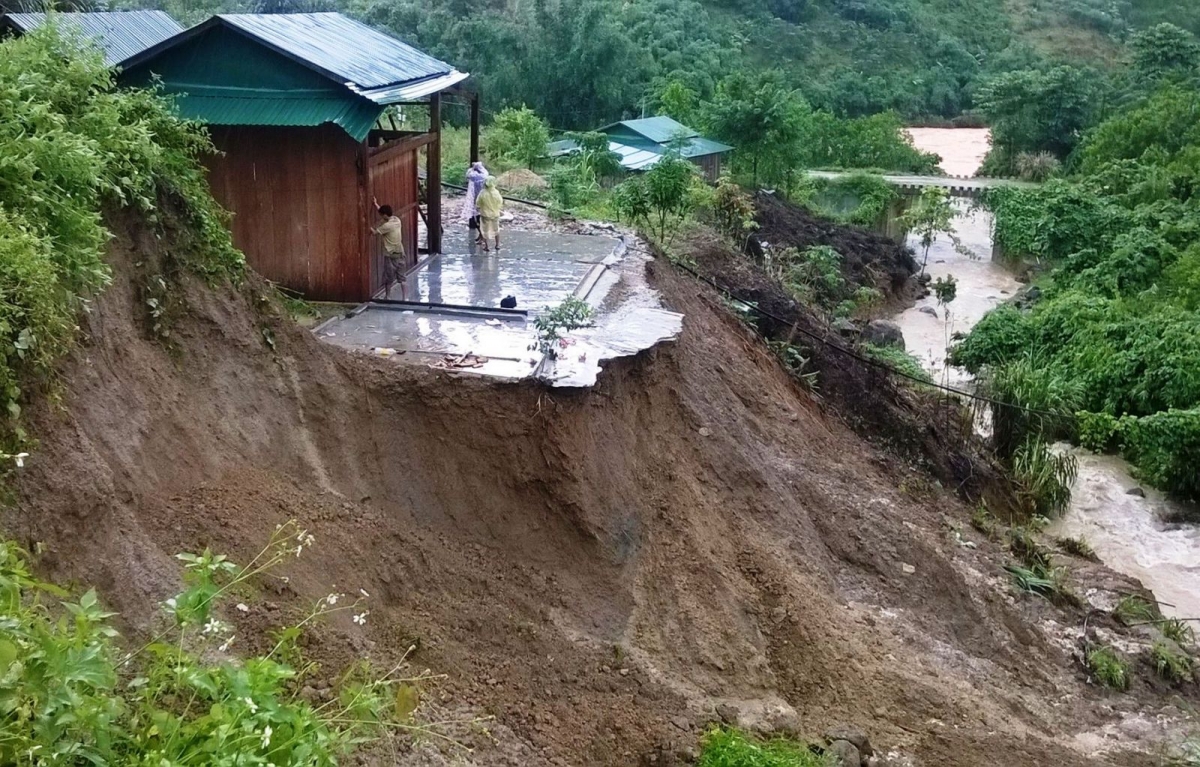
[[1127, 531]]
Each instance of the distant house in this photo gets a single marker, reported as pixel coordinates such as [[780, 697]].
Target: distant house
[[641, 143], [293, 103], [120, 34]]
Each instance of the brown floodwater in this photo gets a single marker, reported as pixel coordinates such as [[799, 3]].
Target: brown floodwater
[[1127, 531]]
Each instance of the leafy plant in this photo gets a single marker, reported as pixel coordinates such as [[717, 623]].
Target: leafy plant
[[1044, 477], [733, 212], [553, 324], [69, 694], [897, 359], [1025, 547], [983, 521], [1107, 667], [945, 290], [1171, 664]]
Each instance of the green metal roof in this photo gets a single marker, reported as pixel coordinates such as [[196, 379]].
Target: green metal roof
[[120, 34], [660, 130], [701, 147]]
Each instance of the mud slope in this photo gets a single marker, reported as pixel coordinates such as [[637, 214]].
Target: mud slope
[[597, 569]]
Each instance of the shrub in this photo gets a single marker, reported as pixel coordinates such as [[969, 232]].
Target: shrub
[[520, 135], [1165, 448], [70, 695], [1047, 582], [74, 146], [1025, 547], [1178, 631], [553, 323], [1107, 667], [1036, 166], [1044, 477]]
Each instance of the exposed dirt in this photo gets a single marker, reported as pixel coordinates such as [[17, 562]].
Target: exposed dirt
[[868, 258], [597, 569]]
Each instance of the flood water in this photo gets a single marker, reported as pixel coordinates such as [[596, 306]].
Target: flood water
[[1128, 532]]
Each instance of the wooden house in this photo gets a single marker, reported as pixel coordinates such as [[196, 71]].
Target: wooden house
[[296, 105]]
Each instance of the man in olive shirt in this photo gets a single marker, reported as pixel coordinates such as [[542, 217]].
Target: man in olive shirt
[[391, 232]]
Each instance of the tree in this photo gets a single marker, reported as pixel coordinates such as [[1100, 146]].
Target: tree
[[1165, 51], [759, 115], [1033, 110], [520, 135], [677, 100], [931, 215]]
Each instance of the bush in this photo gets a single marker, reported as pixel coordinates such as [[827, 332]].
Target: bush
[[520, 135], [1044, 478], [898, 360], [1171, 664], [71, 695], [74, 147], [1165, 448]]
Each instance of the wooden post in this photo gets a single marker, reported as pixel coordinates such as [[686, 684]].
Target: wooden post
[[474, 127], [433, 175]]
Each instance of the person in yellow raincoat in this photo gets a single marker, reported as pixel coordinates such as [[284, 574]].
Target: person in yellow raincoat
[[489, 204]]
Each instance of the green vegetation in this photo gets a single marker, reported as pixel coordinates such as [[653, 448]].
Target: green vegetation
[[554, 323], [1133, 609], [74, 149], [1078, 547], [861, 199], [1170, 663], [897, 359], [930, 216], [72, 692], [1108, 667], [728, 747], [1178, 631], [1115, 338], [1047, 582]]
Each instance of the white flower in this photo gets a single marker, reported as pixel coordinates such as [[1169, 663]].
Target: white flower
[[364, 593], [242, 607], [298, 550], [250, 704], [214, 626], [305, 538], [20, 459], [225, 645], [361, 618], [266, 736], [332, 599]]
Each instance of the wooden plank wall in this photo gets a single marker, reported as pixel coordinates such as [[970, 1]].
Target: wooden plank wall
[[393, 181], [297, 203]]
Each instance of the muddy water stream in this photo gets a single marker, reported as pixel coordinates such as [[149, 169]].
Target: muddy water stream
[[1128, 532]]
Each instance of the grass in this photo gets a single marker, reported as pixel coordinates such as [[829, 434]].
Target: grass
[[1135, 609], [1178, 631], [1048, 582], [1107, 667], [983, 521], [728, 747], [1077, 547], [1170, 664], [1025, 547], [897, 359]]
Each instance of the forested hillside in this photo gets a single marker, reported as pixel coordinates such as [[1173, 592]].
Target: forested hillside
[[921, 58]]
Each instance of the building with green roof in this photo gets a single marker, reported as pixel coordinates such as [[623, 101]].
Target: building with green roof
[[642, 143]]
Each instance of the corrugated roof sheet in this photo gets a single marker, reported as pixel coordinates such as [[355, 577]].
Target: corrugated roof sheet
[[120, 34], [365, 60], [700, 147], [660, 130], [222, 106]]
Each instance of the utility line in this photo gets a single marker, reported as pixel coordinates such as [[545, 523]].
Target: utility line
[[861, 358]]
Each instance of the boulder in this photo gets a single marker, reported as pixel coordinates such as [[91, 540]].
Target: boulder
[[884, 333], [729, 714], [845, 327], [842, 753], [928, 310], [1136, 491], [852, 735]]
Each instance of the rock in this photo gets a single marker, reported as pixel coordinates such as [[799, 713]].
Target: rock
[[844, 753], [845, 327], [308, 694], [705, 431], [853, 735], [1136, 491], [907, 568], [728, 713], [884, 333], [928, 310], [924, 279], [786, 723], [682, 723]]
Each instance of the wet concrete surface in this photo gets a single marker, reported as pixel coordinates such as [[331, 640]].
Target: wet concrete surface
[[541, 269], [538, 268]]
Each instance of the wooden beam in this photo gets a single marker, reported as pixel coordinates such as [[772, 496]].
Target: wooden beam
[[400, 146], [433, 174], [474, 127]]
